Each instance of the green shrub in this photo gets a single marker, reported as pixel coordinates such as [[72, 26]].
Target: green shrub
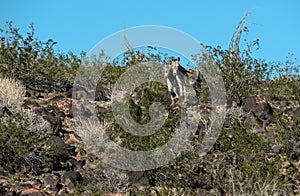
[[34, 62], [24, 143]]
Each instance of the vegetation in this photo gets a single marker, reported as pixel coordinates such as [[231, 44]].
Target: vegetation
[[241, 162], [34, 62], [24, 144]]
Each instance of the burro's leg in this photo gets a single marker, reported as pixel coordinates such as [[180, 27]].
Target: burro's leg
[[169, 85], [180, 86]]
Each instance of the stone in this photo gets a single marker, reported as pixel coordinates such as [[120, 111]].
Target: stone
[[259, 106], [72, 138], [31, 192], [56, 122], [69, 179], [62, 146], [102, 93], [138, 178], [296, 113], [50, 183], [72, 165]]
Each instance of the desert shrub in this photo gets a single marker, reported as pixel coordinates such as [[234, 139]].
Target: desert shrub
[[34, 62], [23, 136], [107, 180], [12, 93], [283, 88], [24, 143], [97, 71], [242, 74], [133, 56]]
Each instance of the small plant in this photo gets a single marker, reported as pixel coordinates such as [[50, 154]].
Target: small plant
[[11, 93], [108, 180]]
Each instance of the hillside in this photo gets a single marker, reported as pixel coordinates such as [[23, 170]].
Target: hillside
[[44, 151]]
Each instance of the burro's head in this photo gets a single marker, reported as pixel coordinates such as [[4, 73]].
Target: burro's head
[[175, 65]]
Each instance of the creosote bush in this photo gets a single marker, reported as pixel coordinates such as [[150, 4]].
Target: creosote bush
[[24, 143], [37, 64]]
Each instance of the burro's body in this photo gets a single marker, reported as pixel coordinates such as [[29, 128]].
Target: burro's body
[[177, 77]]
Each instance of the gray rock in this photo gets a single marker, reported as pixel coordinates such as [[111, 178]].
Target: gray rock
[[50, 183], [277, 148], [64, 148]]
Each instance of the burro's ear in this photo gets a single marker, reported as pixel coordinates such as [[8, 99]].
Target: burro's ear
[[178, 59]]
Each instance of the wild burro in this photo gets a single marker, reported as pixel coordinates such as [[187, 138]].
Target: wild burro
[[178, 77]]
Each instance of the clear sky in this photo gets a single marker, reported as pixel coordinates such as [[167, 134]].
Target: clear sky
[[79, 25]]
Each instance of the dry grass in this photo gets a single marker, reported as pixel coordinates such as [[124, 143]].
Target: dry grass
[[11, 93]]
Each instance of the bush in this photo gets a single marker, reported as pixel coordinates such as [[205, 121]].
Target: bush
[[11, 93], [34, 62], [24, 143]]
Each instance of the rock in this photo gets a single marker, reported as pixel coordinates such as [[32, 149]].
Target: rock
[[72, 138], [277, 148], [32, 94], [138, 178], [296, 113], [56, 122], [31, 192], [102, 93], [259, 106], [69, 179], [63, 147], [72, 165], [50, 182]]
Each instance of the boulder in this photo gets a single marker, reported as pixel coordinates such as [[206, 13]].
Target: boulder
[[31, 192], [258, 105], [261, 109], [51, 183], [296, 113], [69, 179], [64, 148], [32, 93], [102, 93], [72, 165], [55, 122], [138, 178]]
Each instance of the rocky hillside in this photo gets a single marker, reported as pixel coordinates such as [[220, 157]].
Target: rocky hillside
[[41, 152]]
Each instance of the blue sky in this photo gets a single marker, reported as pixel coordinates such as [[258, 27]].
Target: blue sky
[[79, 25]]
